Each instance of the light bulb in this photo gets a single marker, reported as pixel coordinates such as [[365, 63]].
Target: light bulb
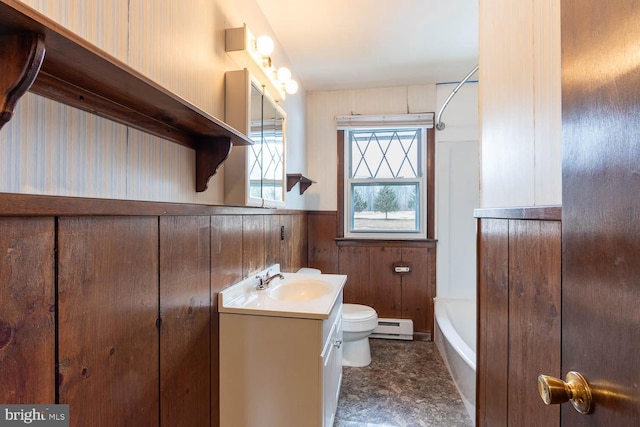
[[284, 75], [291, 87], [265, 45]]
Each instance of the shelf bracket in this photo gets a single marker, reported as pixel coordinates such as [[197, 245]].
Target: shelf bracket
[[21, 56], [210, 154], [294, 178]]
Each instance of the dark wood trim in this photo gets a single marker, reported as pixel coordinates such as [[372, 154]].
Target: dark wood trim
[[330, 213], [209, 158], [541, 213], [22, 56], [340, 189], [421, 243], [43, 205], [431, 182], [294, 178]]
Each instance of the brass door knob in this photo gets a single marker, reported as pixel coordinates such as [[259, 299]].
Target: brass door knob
[[575, 389]]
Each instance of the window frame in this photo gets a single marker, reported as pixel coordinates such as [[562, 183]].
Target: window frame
[[429, 185]]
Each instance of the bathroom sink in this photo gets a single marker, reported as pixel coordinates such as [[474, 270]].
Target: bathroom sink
[[300, 290], [298, 295]]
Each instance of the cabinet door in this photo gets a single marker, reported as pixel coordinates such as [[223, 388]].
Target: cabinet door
[[254, 175], [272, 160], [331, 374]]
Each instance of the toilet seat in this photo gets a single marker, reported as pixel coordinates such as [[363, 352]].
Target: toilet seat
[[358, 318]]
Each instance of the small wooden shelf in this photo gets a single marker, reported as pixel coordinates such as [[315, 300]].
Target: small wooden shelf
[[39, 55], [294, 178]]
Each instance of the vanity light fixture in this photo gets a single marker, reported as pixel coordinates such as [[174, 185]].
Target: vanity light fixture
[[255, 55]]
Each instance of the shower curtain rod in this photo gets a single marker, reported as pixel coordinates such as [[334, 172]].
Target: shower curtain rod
[[439, 123]]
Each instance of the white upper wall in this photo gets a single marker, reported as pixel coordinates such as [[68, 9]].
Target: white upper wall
[[49, 148], [520, 103], [322, 109]]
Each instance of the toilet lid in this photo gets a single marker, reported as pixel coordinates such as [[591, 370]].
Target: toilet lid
[[357, 312]]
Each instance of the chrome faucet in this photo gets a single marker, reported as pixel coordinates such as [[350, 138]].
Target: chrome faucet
[[265, 281]]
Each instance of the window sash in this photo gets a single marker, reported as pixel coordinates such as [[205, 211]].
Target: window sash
[[420, 182]]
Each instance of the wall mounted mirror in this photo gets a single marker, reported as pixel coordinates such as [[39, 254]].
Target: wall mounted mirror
[[254, 176]]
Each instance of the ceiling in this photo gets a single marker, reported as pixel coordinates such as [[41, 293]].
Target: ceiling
[[356, 44]]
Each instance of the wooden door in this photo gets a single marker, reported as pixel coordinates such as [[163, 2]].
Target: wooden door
[[601, 207]]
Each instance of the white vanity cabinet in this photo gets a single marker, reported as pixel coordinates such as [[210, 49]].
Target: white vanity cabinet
[[280, 371]]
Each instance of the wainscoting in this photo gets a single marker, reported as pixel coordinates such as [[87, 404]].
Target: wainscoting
[[519, 279], [111, 306], [369, 265]]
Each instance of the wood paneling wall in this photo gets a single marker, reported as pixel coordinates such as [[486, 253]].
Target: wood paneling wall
[[372, 281], [107, 313], [116, 314], [185, 312], [519, 284], [369, 267], [323, 252], [27, 310]]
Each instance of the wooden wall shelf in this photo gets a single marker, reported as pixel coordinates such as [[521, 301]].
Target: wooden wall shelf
[[39, 55], [294, 178]]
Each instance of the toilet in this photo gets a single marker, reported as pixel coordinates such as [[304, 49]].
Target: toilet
[[358, 322]]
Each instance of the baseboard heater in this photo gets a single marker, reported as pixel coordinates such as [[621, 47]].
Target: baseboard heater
[[394, 329]]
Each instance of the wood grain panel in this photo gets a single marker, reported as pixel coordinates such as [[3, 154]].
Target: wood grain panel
[[226, 251], [322, 231], [493, 323], [108, 309], [419, 287], [273, 248], [385, 295], [226, 269], [534, 319], [354, 262], [185, 338], [37, 205], [295, 245], [601, 207], [27, 301], [253, 248]]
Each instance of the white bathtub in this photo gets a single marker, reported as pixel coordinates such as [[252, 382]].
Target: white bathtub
[[455, 337]]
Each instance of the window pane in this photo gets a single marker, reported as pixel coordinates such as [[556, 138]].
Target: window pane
[[384, 154], [384, 207]]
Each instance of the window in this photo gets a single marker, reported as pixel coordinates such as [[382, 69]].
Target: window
[[386, 177]]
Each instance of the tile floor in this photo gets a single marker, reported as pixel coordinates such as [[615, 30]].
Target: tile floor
[[406, 385]]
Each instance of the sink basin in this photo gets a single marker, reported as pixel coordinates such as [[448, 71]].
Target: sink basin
[[300, 290], [297, 295]]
